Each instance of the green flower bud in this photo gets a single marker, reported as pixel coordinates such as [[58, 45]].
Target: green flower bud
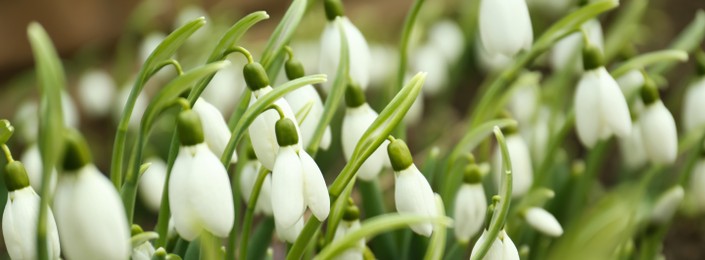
[[76, 152], [285, 130], [15, 176], [188, 123], [334, 8], [6, 130], [255, 76], [592, 57], [351, 213], [399, 155], [649, 92], [294, 69], [136, 230], [354, 96]]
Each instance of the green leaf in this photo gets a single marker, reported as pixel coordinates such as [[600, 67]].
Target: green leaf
[[437, 245], [228, 40], [646, 59], [281, 36], [6, 130], [375, 226], [259, 106], [336, 94]]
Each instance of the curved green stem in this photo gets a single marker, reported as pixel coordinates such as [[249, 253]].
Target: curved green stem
[[242, 50], [646, 59], [8, 154], [247, 224]]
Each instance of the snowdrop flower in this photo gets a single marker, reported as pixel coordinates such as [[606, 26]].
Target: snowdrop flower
[[248, 177], [566, 52], [525, 101], [490, 62], [600, 107], [502, 248], [226, 88], [470, 205], [200, 196], [143, 252], [383, 68], [693, 105], [289, 234], [430, 59], [96, 89], [632, 148], [666, 205], [151, 184], [33, 163], [89, 213], [262, 134], [349, 224], [658, 128], [330, 47], [697, 184], [19, 219], [543, 221], [412, 193], [217, 134], [505, 26], [297, 182], [522, 171], [302, 97], [358, 117], [447, 36], [138, 110]]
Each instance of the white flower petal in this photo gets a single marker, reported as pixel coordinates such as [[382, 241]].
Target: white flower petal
[[355, 123], [693, 105], [447, 36], [358, 50], [496, 251], [298, 99], [210, 194], [659, 133], [226, 88], [69, 110], [179, 182], [510, 251], [470, 210], [632, 148], [19, 225], [505, 26], [522, 171], [215, 129], [697, 185], [315, 189], [33, 164], [413, 195], [587, 99], [666, 205], [248, 177], [613, 107], [543, 221], [262, 135], [90, 216], [430, 59], [344, 228], [631, 82], [143, 252], [287, 188], [96, 90], [264, 202], [289, 234], [151, 185]]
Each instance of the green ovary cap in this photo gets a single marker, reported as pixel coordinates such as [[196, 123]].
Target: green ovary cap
[[76, 152], [649, 92], [351, 213], [285, 130], [399, 155], [700, 63], [294, 69], [188, 123], [255, 76], [334, 8], [354, 96], [472, 174], [592, 57], [15, 176]]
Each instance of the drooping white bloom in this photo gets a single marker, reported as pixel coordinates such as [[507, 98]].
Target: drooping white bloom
[[522, 173], [600, 108], [502, 248], [262, 135], [358, 50], [470, 211], [432, 60], [491, 62], [696, 185], [447, 36], [413, 195], [355, 123], [248, 177], [300, 98], [96, 89], [383, 68], [143, 252], [632, 148], [569, 49], [289, 234], [658, 133], [90, 216], [524, 102], [344, 228], [666, 205], [543, 221], [138, 110], [19, 225], [151, 184], [200, 196], [226, 88], [33, 163], [297, 182], [693, 105], [505, 26], [216, 131]]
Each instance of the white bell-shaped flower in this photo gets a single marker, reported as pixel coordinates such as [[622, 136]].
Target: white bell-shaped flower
[[447, 36], [382, 69], [543, 221], [358, 117], [470, 205], [96, 90], [505, 26], [693, 105], [33, 163], [490, 62], [200, 195], [289, 234], [502, 248], [90, 216], [658, 128], [143, 251], [358, 49], [522, 171], [666, 205], [151, 184], [600, 108], [696, 185], [412, 193], [300, 98], [525, 101], [297, 182], [632, 148], [566, 52], [248, 177], [431, 59], [226, 88], [346, 227], [216, 133], [19, 219]]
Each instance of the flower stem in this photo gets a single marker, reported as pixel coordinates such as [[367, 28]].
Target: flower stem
[[372, 204], [8, 154], [247, 224]]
